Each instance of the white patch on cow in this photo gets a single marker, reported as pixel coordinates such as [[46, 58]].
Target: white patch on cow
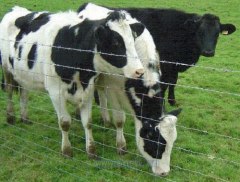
[[134, 97], [146, 50], [76, 31], [104, 66]]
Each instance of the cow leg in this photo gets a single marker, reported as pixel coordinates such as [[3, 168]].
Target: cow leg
[[23, 106], [171, 94], [119, 120], [9, 88], [104, 106], [86, 118], [164, 84], [64, 121]]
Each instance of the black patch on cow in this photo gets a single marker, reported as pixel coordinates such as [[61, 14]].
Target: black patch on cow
[[110, 42], [20, 52], [137, 29], [73, 89], [32, 56], [11, 61], [28, 24], [156, 87], [68, 62], [154, 143]]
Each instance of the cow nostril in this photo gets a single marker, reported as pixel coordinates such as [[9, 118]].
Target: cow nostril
[[139, 72], [164, 174]]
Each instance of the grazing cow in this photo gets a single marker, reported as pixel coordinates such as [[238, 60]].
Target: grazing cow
[[37, 54], [180, 37], [155, 131]]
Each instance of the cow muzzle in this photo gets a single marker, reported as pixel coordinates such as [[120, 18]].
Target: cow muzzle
[[208, 53], [159, 171]]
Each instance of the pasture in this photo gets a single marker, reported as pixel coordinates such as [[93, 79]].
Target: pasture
[[208, 143]]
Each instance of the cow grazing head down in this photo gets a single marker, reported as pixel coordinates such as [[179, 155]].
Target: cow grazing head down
[[207, 29], [156, 142], [155, 131], [115, 42]]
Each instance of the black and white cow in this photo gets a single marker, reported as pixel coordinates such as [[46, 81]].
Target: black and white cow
[[180, 37], [36, 52], [155, 131]]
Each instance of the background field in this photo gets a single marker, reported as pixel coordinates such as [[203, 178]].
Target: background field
[[208, 144]]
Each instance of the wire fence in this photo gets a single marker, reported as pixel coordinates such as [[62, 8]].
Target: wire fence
[[23, 140]]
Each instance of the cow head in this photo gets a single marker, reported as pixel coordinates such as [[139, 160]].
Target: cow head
[[156, 141], [207, 29], [115, 41]]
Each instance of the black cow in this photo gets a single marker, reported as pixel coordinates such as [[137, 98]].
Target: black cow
[[180, 37]]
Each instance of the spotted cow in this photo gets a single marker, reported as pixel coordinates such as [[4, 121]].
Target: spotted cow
[[155, 130], [63, 54]]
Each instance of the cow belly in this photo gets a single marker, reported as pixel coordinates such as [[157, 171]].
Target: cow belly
[[29, 79]]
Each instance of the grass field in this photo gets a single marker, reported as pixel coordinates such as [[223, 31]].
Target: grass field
[[208, 144]]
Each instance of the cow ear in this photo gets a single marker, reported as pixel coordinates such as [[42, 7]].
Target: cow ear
[[100, 34], [227, 29], [175, 112], [137, 29]]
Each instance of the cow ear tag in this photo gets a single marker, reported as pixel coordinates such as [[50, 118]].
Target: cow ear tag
[[225, 32]]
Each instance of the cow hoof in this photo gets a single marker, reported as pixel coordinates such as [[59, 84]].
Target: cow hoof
[[91, 151], [26, 121], [172, 102], [11, 119], [122, 150], [67, 152]]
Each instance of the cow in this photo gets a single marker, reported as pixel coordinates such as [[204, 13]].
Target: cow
[[180, 38], [155, 130], [63, 54]]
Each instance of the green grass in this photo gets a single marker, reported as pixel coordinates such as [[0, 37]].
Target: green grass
[[32, 152]]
